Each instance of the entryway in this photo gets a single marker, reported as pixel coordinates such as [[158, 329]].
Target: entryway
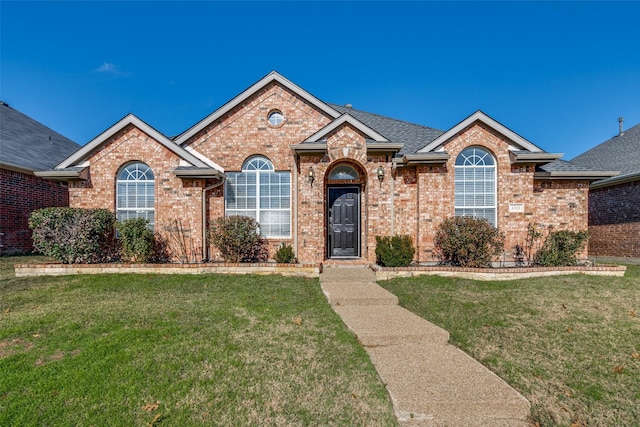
[[343, 221]]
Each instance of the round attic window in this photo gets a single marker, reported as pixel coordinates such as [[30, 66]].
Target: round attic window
[[276, 118]]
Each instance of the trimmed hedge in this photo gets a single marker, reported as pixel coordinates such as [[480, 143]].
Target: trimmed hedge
[[468, 242], [137, 242], [561, 247], [238, 240], [72, 235]]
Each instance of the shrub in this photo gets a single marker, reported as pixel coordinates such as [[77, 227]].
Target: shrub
[[284, 254], [72, 235], [137, 242], [394, 251], [238, 240], [468, 242], [561, 247]]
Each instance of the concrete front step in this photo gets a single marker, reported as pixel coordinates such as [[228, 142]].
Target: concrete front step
[[388, 325], [356, 294], [347, 275]]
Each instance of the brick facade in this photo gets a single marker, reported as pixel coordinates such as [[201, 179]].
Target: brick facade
[[22, 193], [410, 199], [614, 220]]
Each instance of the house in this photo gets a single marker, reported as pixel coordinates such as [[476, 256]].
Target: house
[[614, 203], [325, 178], [27, 146]]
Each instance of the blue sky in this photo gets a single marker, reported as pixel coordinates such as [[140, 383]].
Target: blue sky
[[557, 73]]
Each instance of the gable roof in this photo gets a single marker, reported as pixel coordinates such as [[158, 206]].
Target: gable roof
[[85, 152], [412, 136], [622, 153], [482, 117], [28, 145], [269, 78], [346, 118]]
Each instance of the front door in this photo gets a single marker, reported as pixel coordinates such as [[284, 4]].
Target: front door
[[343, 222]]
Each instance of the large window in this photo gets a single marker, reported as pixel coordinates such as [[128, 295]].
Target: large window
[[135, 193], [475, 184], [261, 193]]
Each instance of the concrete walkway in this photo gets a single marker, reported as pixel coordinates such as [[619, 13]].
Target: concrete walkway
[[431, 382]]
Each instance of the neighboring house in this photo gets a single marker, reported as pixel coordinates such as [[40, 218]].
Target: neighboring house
[[325, 178], [27, 146], [614, 203]]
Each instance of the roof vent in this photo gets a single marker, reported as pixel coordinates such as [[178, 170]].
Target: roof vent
[[348, 106], [620, 126]]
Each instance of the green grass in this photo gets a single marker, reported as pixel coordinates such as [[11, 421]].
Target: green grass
[[139, 350], [569, 344]]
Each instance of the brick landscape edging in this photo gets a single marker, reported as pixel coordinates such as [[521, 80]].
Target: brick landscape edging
[[386, 273], [311, 270], [298, 270]]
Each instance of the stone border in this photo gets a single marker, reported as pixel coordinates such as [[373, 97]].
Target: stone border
[[297, 270], [386, 273]]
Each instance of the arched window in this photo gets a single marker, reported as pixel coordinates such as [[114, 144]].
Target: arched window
[[262, 193], [475, 184], [135, 193], [343, 172]]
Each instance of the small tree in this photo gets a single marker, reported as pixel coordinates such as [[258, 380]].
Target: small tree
[[468, 242], [394, 251], [285, 254], [561, 247], [238, 240], [137, 241]]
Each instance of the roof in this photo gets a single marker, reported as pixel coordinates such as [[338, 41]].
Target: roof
[[621, 153], [569, 170], [482, 117], [28, 145], [412, 135], [191, 156]]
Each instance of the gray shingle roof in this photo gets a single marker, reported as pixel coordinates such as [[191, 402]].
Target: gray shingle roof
[[620, 153], [565, 166], [29, 145], [412, 135]]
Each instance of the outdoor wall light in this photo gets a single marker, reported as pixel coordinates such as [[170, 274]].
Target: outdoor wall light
[[312, 176], [380, 173]]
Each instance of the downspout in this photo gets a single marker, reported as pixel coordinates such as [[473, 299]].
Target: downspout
[[295, 206], [205, 246]]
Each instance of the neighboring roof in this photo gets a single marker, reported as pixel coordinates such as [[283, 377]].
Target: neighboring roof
[[621, 153], [268, 79], [85, 152], [28, 145], [482, 117], [411, 135]]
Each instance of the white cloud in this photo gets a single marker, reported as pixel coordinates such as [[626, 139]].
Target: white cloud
[[110, 68]]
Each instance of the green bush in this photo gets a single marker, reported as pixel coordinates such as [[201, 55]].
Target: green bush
[[137, 242], [238, 240], [561, 247], [394, 251], [285, 254], [72, 235], [468, 242]]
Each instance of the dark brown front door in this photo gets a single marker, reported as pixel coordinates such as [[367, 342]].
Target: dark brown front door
[[344, 219]]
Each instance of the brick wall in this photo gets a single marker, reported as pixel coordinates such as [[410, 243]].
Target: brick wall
[[614, 220], [21, 194], [175, 199]]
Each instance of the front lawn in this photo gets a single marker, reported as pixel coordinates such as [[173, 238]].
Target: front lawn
[[569, 344], [179, 350]]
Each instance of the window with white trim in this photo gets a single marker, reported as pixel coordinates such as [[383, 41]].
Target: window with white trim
[[475, 184], [135, 193], [261, 193]]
